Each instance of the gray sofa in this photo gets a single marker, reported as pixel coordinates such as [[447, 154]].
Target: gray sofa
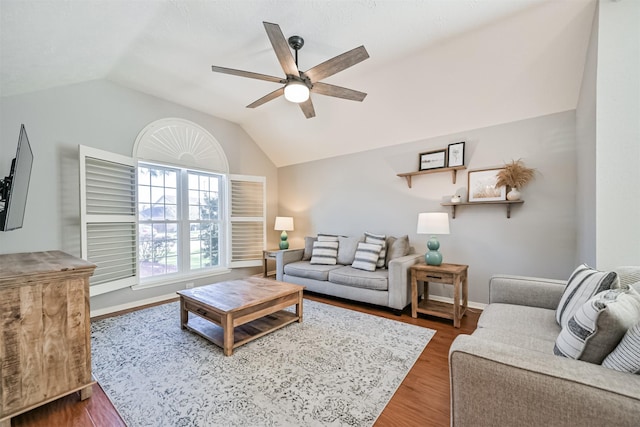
[[388, 287], [506, 374]]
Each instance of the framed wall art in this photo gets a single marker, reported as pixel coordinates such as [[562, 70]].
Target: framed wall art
[[433, 160], [482, 186], [455, 154]]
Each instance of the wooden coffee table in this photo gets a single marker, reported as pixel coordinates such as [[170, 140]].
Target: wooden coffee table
[[231, 314]]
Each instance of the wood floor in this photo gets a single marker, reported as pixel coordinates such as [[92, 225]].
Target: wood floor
[[421, 400]]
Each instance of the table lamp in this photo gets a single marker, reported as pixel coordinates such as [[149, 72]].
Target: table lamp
[[284, 224], [433, 223]]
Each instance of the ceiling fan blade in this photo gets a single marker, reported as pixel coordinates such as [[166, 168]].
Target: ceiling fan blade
[[307, 108], [281, 47], [337, 64], [338, 92], [249, 74], [273, 95]]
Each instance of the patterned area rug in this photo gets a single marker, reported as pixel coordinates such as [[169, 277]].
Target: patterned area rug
[[337, 368]]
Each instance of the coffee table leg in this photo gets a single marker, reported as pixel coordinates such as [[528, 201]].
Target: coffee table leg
[[184, 315], [227, 328], [299, 307]]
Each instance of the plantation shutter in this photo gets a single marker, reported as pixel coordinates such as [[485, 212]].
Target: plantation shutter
[[247, 217], [108, 218]]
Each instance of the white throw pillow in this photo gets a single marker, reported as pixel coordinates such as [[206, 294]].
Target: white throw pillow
[[584, 283], [626, 356], [599, 325], [367, 256], [325, 253], [378, 239]]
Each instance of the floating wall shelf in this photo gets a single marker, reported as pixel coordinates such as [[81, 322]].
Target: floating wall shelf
[[507, 203], [453, 171]]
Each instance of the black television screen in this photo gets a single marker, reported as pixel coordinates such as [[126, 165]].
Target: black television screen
[[16, 185]]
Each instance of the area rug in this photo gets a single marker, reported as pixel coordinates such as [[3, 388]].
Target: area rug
[[337, 368]]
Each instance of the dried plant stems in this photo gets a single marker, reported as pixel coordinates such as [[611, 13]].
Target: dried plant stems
[[515, 175]]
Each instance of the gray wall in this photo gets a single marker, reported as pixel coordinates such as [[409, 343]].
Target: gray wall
[[107, 116], [361, 192], [586, 153], [618, 135]]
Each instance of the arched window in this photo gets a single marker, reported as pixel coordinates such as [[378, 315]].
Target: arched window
[[191, 216]]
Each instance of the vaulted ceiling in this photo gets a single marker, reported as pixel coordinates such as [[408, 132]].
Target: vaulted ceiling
[[436, 67]]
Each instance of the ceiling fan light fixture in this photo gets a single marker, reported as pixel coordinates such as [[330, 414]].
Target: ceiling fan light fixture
[[296, 92]]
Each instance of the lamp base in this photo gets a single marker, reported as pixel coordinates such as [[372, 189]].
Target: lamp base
[[433, 257], [284, 244]]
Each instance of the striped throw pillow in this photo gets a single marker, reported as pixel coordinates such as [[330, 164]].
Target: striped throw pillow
[[584, 283], [626, 356], [367, 256], [378, 239], [599, 325], [325, 253]]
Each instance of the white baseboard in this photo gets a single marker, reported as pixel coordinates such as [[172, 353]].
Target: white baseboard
[[471, 304], [132, 304]]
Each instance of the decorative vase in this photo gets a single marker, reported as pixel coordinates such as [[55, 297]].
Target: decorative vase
[[514, 194]]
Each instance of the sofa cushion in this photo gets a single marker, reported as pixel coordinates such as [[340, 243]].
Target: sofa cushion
[[378, 239], [516, 339], [397, 248], [366, 256], [626, 356], [599, 325], [309, 271], [376, 280], [584, 283], [523, 320], [308, 247], [324, 252], [347, 249]]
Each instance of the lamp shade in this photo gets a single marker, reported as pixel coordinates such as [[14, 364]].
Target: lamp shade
[[296, 92], [283, 223], [433, 223]]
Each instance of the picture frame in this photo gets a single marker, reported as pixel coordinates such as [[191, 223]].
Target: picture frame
[[455, 154], [432, 160], [481, 186]]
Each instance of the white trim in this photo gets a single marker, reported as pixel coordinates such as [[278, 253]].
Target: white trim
[[470, 304], [179, 278], [132, 304], [114, 285]]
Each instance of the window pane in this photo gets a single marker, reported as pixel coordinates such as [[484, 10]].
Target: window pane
[[170, 179]]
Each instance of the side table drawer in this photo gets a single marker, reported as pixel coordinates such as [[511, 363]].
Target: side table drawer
[[434, 277]]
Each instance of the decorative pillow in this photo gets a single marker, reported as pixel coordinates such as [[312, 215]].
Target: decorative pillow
[[327, 237], [627, 275], [378, 239], [367, 256], [308, 247], [584, 283], [397, 248], [325, 253], [599, 325], [626, 356], [347, 249]]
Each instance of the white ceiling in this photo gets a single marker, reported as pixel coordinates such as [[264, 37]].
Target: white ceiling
[[436, 67]]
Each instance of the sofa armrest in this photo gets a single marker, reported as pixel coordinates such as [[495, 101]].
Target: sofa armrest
[[530, 291], [285, 257], [400, 280], [500, 384]]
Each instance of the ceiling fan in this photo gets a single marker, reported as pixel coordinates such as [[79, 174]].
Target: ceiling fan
[[297, 83]]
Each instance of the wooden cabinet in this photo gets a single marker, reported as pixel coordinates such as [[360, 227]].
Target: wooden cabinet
[[45, 339]]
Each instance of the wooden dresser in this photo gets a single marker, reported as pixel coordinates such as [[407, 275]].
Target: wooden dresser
[[45, 330]]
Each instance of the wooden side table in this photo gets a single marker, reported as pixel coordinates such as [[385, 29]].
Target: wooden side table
[[451, 274]]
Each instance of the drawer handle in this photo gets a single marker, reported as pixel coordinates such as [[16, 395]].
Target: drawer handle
[[201, 311], [434, 277]]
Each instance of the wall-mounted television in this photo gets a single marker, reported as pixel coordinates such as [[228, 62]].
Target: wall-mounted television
[[14, 188]]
